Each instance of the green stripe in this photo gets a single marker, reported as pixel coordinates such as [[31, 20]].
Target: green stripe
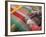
[[30, 11], [17, 24]]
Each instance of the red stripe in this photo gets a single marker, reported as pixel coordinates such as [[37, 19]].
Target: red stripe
[[19, 16], [24, 11]]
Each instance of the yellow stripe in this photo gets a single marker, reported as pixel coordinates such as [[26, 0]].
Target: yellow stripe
[[16, 8]]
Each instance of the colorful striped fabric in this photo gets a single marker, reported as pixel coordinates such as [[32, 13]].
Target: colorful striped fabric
[[18, 24], [18, 16]]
